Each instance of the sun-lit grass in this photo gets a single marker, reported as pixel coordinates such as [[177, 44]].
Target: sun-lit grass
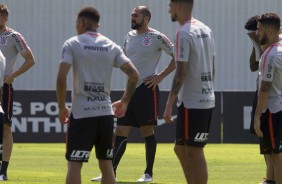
[[227, 164]]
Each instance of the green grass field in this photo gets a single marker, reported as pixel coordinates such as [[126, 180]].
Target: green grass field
[[227, 164]]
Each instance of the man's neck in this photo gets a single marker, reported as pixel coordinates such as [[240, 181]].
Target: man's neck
[[187, 17], [142, 30], [4, 28], [273, 40]]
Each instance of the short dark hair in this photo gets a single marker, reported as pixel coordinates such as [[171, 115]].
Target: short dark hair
[[145, 11], [270, 19], [252, 22], [90, 13], [4, 10], [188, 1]]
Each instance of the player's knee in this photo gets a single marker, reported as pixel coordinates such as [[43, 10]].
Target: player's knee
[[122, 131]]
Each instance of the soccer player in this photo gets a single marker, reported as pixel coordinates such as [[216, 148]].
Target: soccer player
[[251, 26], [12, 43], [143, 45], [268, 115], [193, 85], [92, 57]]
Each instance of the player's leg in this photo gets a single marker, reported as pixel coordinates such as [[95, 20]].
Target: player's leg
[[198, 164], [275, 127], [146, 112], [185, 163], [74, 172], [104, 149], [1, 131], [8, 95], [192, 131], [277, 163], [269, 169], [122, 130], [83, 130], [106, 168], [121, 134], [150, 147]]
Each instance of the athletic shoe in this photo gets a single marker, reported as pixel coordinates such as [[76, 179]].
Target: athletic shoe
[[99, 178], [145, 178], [268, 182], [3, 177]]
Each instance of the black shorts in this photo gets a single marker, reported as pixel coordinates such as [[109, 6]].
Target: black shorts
[[192, 126], [142, 109], [1, 131], [255, 101], [84, 133], [8, 99], [271, 126]]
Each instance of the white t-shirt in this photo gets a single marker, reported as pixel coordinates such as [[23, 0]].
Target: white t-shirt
[[92, 57], [270, 70], [144, 50], [194, 44], [2, 68]]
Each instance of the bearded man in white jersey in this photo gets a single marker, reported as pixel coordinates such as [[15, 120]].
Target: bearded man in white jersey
[[92, 57], [268, 114], [258, 49], [12, 44], [193, 86], [143, 45]]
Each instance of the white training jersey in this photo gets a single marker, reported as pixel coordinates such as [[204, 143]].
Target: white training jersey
[[11, 44], [270, 70], [2, 68], [194, 44], [144, 50], [92, 57]]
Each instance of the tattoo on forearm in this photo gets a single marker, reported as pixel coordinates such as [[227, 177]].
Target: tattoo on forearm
[[265, 86], [130, 86], [178, 81]]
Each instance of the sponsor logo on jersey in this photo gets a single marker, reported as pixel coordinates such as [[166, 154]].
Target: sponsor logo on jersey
[[100, 49], [79, 155], [98, 108], [201, 137], [96, 98], [3, 40], [203, 36], [269, 68], [206, 101], [207, 91], [206, 78], [165, 41], [19, 43], [147, 41], [93, 87]]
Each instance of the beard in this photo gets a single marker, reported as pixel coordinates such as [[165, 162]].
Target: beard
[[173, 19], [135, 25], [263, 40]]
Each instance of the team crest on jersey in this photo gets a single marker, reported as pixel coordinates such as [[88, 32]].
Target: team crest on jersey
[[146, 41], [3, 40]]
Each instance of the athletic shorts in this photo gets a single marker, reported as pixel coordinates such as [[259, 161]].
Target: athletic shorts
[[192, 126], [1, 131], [271, 126], [142, 109], [84, 133], [255, 101], [8, 99]]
